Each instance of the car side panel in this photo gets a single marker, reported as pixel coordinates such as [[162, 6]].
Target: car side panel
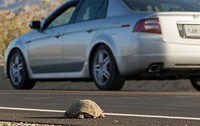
[[45, 54], [75, 41]]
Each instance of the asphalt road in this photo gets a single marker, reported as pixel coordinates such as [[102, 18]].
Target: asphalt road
[[121, 108]]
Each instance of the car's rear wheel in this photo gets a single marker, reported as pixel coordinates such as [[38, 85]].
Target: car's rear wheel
[[18, 72], [104, 70], [196, 83]]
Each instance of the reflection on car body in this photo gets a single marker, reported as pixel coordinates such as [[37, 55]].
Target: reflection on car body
[[109, 41]]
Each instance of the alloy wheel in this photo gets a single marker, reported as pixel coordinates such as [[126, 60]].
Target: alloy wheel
[[16, 69], [102, 67], [104, 70]]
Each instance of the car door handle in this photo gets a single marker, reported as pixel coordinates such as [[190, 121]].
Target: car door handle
[[90, 30], [58, 35]]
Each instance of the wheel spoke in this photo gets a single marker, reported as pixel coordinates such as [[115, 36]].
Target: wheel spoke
[[106, 61], [15, 78], [100, 75], [106, 74], [97, 70], [97, 66], [12, 70], [101, 56], [16, 60], [20, 66], [13, 65], [18, 76]]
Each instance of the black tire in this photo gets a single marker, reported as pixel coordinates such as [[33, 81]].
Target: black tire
[[104, 70], [195, 83], [18, 71]]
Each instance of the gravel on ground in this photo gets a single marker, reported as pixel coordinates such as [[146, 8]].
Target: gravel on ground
[[3, 123]]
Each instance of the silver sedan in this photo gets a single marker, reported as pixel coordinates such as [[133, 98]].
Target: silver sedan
[[109, 41]]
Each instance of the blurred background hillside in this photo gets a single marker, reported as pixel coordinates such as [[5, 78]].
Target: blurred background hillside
[[15, 15]]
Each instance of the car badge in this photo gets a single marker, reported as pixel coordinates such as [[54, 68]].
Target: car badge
[[195, 16]]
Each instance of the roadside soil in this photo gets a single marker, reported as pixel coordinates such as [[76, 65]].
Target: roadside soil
[[177, 85]]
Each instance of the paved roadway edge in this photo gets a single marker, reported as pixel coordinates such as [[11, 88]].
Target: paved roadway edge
[[108, 114]]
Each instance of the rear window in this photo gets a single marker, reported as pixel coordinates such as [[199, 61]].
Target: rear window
[[196, 2], [161, 5]]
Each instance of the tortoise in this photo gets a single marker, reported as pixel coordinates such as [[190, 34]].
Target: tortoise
[[84, 109]]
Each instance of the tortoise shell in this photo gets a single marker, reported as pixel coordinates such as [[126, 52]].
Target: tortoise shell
[[84, 109]]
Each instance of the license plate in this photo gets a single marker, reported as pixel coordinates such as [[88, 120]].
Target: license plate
[[192, 30]]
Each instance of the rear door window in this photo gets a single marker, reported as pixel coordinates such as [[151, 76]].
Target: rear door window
[[91, 9]]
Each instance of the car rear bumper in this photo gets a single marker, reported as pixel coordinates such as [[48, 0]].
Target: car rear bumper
[[173, 56]]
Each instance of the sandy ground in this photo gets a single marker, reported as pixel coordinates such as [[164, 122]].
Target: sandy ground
[[179, 85]]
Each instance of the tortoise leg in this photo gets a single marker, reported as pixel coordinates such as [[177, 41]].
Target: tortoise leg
[[102, 116], [66, 115], [86, 115], [81, 116]]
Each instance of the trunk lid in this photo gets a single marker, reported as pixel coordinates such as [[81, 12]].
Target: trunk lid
[[180, 27]]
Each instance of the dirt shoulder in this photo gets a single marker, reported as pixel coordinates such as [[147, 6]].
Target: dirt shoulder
[[180, 85], [4, 83]]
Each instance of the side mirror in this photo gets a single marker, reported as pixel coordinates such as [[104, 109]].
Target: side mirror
[[35, 25]]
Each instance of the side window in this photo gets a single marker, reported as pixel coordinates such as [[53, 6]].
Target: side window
[[103, 10], [91, 10], [62, 19]]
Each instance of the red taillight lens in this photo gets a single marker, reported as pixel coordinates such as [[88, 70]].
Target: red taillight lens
[[150, 25]]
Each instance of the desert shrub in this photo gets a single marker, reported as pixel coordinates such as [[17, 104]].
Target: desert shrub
[[14, 24], [11, 27]]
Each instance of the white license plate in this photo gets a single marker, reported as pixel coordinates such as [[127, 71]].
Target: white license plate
[[192, 30]]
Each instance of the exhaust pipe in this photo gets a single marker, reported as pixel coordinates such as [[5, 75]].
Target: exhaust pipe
[[155, 68]]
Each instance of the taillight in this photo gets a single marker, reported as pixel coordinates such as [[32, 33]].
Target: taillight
[[150, 25]]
